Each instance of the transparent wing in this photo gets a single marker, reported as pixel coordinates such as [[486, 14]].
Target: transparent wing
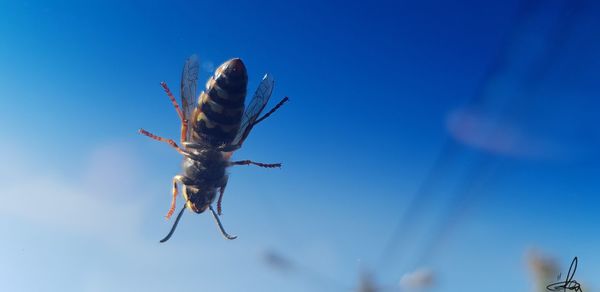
[[255, 107], [189, 86]]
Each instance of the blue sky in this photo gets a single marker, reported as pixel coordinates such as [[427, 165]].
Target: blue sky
[[494, 101]]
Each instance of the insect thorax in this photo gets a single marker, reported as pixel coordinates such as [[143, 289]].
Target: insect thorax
[[205, 168]]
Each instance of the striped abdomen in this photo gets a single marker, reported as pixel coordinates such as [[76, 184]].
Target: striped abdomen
[[220, 107]]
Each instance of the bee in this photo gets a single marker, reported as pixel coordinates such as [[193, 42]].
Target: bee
[[213, 125]]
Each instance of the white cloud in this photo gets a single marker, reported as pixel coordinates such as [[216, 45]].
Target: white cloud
[[418, 279], [112, 171], [490, 133], [70, 204]]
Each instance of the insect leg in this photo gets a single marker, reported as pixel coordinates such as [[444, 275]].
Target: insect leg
[[248, 162], [184, 122], [176, 179], [276, 107], [161, 139], [173, 100], [221, 192], [249, 128]]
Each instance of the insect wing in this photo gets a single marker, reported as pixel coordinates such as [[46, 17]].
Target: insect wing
[[189, 85], [255, 107]]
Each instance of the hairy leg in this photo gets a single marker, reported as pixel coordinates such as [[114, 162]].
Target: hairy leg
[[161, 139], [176, 179], [276, 107], [221, 192], [248, 162], [184, 122]]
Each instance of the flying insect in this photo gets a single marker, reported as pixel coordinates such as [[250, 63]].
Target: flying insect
[[214, 124]]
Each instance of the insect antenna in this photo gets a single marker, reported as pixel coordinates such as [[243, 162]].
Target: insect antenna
[[220, 225], [174, 225]]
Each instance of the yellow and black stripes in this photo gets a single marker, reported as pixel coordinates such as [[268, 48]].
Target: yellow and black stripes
[[220, 108]]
